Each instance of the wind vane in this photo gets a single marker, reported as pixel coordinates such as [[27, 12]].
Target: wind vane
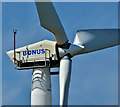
[[14, 31]]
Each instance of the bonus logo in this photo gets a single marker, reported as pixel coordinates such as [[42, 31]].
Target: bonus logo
[[34, 52]]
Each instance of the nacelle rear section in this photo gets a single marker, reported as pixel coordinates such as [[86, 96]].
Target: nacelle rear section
[[40, 54]]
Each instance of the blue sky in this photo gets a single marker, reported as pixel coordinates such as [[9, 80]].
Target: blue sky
[[94, 79]]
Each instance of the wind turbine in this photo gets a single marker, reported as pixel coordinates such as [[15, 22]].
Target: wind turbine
[[44, 55]]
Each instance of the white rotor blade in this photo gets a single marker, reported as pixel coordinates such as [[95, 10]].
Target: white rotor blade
[[50, 21], [96, 39], [64, 78]]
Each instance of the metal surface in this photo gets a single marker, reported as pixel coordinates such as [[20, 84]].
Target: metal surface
[[64, 79], [41, 87], [50, 21], [96, 39]]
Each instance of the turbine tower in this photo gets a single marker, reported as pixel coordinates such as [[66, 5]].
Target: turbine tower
[[47, 54]]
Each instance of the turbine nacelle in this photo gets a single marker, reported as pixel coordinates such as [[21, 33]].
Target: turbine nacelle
[[35, 55]]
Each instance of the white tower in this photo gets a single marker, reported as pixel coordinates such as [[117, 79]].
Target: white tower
[[41, 87]]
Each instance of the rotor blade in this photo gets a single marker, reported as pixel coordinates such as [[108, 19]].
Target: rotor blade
[[96, 39], [50, 21], [64, 78]]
